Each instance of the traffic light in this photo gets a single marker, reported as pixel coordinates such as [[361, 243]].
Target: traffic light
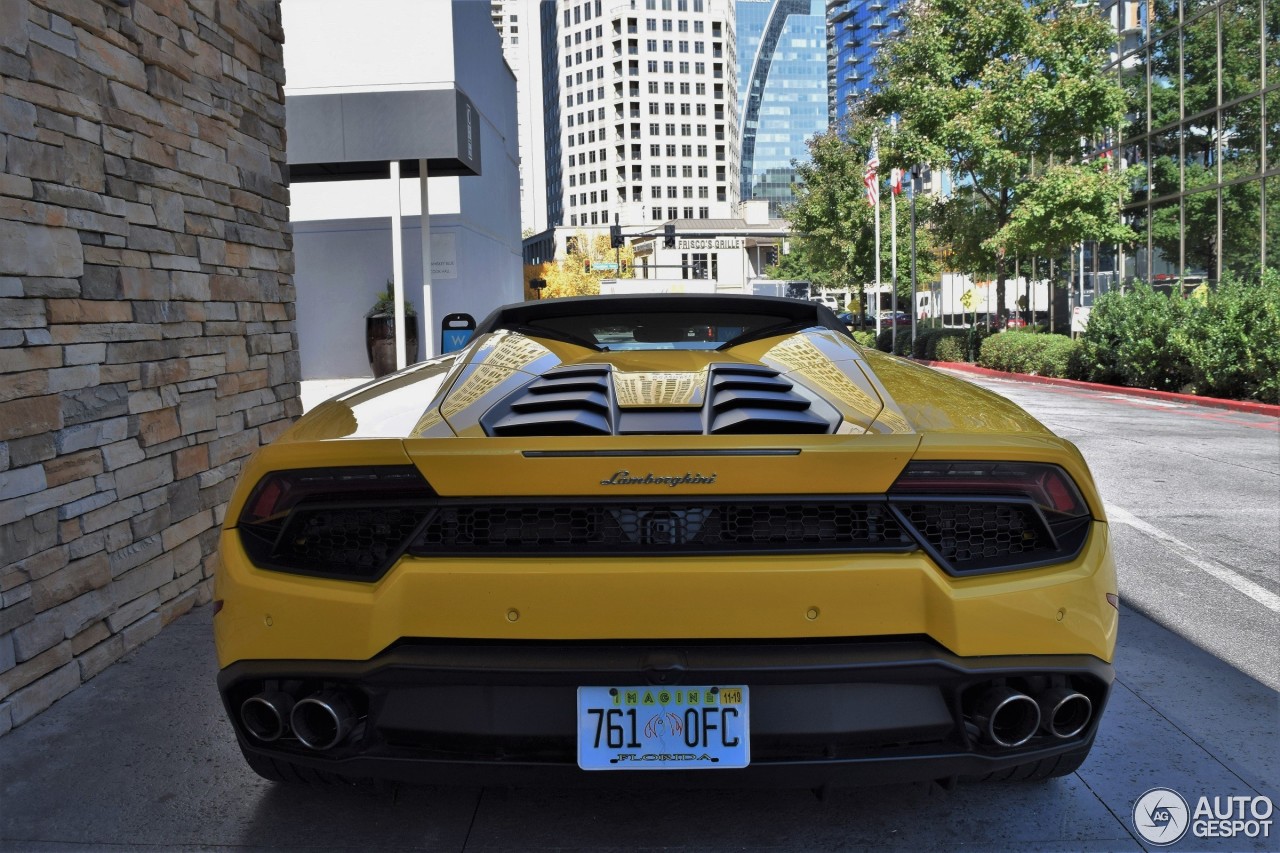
[[615, 237], [586, 266], [669, 235]]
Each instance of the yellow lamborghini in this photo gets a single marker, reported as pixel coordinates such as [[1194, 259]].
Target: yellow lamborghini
[[673, 539]]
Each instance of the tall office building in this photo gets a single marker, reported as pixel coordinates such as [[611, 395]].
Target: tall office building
[[1201, 139], [782, 92], [518, 23], [856, 30], [648, 111]]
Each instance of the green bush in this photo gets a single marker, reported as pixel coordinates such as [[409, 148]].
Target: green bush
[[927, 341], [1029, 352], [866, 339], [884, 340], [1232, 340], [1131, 340], [951, 348]]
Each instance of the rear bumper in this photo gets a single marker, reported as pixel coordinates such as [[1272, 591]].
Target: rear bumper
[[833, 712]]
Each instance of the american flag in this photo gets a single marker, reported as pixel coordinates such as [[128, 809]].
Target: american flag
[[869, 178]]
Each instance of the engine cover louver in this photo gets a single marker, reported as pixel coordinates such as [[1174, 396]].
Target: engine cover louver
[[567, 401], [583, 400], [757, 400]]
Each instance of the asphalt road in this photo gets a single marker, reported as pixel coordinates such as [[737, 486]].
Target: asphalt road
[[141, 758]]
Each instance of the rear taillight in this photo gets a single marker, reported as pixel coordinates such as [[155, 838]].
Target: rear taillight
[[349, 523], [977, 517], [1047, 486]]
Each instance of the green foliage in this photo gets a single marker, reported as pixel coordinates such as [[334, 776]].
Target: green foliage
[[1233, 341], [886, 343], [928, 341], [997, 91], [1063, 205], [1028, 352], [834, 242], [866, 339], [1131, 340], [951, 348], [384, 303]]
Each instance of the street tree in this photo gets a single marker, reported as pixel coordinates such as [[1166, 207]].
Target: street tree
[[1001, 93], [833, 225], [579, 272]]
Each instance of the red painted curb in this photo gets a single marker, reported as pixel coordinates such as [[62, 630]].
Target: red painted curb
[[1211, 402]]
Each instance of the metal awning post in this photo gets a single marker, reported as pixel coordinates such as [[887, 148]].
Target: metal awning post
[[397, 265], [428, 322]]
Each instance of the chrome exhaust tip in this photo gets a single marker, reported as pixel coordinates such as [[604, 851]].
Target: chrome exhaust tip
[[1064, 713], [323, 720], [266, 715], [1006, 717]]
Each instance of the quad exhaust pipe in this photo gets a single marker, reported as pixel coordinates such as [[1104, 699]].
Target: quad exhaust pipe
[[1064, 713], [266, 715], [1008, 718], [323, 720]]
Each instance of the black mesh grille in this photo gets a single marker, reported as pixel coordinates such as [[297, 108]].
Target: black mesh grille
[[982, 535], [541, 529]]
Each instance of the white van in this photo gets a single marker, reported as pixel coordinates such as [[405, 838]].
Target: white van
[[826, 299]]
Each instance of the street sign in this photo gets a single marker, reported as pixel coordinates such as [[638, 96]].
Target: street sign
[[609, 266]]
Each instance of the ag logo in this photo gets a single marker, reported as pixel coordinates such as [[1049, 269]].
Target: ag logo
[[1161, 816]]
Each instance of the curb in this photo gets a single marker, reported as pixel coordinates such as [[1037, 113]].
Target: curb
[[1210, 402]]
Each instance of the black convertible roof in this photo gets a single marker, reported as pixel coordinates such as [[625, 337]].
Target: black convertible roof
[[524, 314]]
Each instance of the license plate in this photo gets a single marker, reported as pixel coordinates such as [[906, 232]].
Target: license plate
[[663, 728]]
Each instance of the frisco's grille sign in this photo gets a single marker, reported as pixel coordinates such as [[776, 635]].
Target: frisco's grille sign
[[626, 478]]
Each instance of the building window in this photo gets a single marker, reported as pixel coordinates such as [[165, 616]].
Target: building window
[[671, 151], [668, 67], [655, 214], [655, 171], [673, 192], [703, 212], [673, 213], [686, 171], [671, 171], [684, 68], [687, 192], [653, 87], [702, 193], [655, 191]]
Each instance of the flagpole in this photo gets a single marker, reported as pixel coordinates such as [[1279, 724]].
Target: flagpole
[[893, 263], [877, 197], [893, 246]]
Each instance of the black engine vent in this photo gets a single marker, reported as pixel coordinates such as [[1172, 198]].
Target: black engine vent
[[755, 400], [566, 401]]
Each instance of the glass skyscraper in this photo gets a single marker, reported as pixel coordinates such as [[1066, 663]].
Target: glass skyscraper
[[782, 92], [1202, 136], [856, 30]]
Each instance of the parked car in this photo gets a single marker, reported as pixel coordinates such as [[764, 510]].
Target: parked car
[[698, 535], [900, 318], [1015, 322], [855, 322]]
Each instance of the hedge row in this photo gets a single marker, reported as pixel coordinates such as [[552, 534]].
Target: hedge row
[[1219, 343], [1029, 352]]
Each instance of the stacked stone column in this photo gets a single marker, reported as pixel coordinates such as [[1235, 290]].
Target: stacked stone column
[[147, 341]]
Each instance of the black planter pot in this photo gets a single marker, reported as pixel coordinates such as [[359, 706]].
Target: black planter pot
[[379, 342]]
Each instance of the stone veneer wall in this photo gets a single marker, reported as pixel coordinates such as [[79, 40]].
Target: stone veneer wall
[[147, 340]]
